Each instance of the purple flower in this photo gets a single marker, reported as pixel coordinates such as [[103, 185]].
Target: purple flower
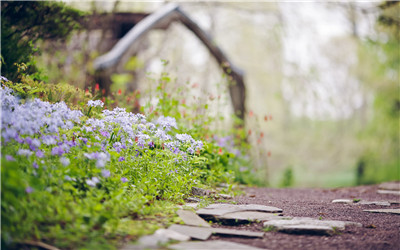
[[39, 154], [28, 140], [85, 140], [124, 179], [10, 158], [105, 133], [141, 142], [184, 137], [57, 151], [151, 144], [190, 150], [35, 165], [105, 173], [121, 159], [19, 139], [117, 146], [28, 190], [70, 143], [167, 122]]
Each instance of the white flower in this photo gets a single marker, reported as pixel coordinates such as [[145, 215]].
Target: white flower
[[25, 152], [92, 182], [65, 161], [96, 103]]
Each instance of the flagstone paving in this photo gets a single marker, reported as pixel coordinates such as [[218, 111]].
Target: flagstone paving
[[304, 225], [390, 186], [385, 211], [345, 201], [215, 244], [377, 203], [307, 218], [248, 216], [203, 233], [198, 233], [192, 219], [222, 209], [388, 192], [363, 202]]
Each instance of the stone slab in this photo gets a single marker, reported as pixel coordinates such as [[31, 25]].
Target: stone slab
[[242, 233], [224, 196], [215, 244], [386, 211], [172, 235], [192, 205], [394, 186], [193, 199], [203, 233], [192, 219], [309, 225], [344, 201], [200, 233], [151, 241], [251, 216], [307, 229], [382, 191], [377, 203], [246, 207], [221, 209]]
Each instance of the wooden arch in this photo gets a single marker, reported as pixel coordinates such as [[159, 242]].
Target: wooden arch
[[162, 18]]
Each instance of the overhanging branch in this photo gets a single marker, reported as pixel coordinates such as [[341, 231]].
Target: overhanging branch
[[166, 15]]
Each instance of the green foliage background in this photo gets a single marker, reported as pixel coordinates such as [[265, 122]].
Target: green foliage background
[[23, 23], [380, 160]]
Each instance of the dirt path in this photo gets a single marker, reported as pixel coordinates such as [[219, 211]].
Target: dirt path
[[378, 231]]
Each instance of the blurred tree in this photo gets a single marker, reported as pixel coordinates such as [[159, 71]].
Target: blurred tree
[[380, 60], [24, 23]]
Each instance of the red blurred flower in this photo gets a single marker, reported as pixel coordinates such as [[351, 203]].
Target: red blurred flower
[[119, 92], [97, 87]]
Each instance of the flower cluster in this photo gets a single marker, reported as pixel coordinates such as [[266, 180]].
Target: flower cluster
[[133, 130], [96, 103], [40, 130], [33, 117]]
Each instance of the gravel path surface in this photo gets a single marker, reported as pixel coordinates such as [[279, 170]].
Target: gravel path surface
[[378, 231]]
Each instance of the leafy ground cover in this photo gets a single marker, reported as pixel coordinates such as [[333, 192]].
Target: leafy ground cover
[[79, 175]]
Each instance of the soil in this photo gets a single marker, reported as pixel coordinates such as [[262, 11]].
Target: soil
[[379, 231]]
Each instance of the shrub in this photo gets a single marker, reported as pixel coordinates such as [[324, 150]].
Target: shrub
[[72, 176]]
